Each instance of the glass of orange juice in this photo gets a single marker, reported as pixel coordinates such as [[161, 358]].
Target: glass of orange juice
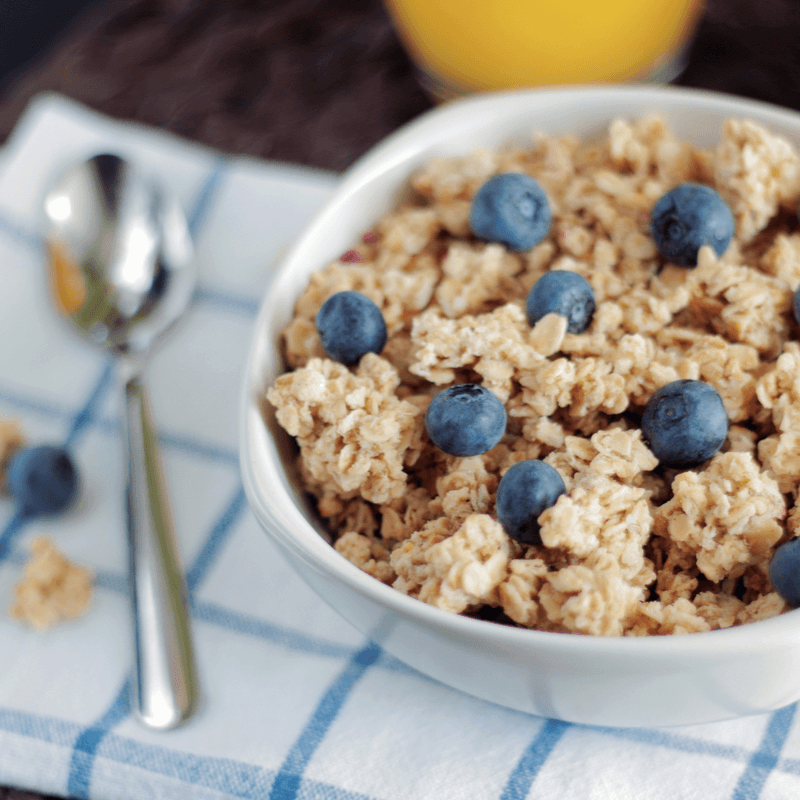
[[463, 46]]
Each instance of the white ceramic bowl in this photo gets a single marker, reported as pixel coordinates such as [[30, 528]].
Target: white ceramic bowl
[[630, 681]]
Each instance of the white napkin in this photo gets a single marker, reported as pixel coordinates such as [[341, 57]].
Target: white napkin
[[292, 707]]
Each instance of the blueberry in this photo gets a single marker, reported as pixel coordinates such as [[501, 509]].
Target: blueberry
[[784, 572], [350, 324], [42, 479], [797, 304], [565, 293], [684, 423], [688, 217], [511, 209], [525, 491], [465, 420]]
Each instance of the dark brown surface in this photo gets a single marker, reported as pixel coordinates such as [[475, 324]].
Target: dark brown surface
[[18, 794], [310, 81], [318, 82]]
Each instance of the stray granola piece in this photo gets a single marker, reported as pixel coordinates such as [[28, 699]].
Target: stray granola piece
[[52, 588]]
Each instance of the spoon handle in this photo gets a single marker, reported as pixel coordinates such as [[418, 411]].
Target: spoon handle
[[165, 685]]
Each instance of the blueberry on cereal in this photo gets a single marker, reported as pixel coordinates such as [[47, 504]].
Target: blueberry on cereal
[[684, 423], [511, 209], [686, 218], [784, 572], [42, 479], [525, 491], [565, 293], [350, 325], [797, 304], [465, 420]]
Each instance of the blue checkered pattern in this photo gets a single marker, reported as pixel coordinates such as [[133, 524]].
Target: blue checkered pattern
[[297, 704]]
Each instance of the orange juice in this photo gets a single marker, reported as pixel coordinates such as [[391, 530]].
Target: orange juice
[[493, 44]]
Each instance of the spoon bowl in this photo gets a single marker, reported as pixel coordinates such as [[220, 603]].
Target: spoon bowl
[[121, 255], [121, 269]]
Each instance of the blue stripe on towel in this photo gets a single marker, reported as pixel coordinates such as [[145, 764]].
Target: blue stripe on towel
[[19, 233], [82, 761], [217, 538], [765, 759], [44, 729], [87, 744], [219, 773], [288, 780], [234, 778], [207, 195], [226, 301], [87, 414], [79, 422], [530, 764]]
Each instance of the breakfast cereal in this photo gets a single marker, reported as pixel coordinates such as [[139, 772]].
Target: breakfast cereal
[[632, 547], [52, 589]]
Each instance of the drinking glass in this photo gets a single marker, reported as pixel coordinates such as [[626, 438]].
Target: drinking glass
[[465, 46]]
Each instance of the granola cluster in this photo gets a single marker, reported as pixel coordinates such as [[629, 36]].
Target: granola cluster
[[52, 588], [632, 548]]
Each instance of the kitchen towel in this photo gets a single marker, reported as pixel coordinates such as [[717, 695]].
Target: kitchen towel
[[296, 703]]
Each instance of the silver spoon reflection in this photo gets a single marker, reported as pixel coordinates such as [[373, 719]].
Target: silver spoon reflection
[[121, 269]]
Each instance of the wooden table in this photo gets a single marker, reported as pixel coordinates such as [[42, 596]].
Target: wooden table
[[318, 82]]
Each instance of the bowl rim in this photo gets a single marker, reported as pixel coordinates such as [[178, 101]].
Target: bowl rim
[[308, 545]]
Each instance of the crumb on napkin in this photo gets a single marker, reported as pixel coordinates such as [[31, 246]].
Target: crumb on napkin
[[52, 588]]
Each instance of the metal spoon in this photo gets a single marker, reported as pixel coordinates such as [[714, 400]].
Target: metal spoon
[[121, 268]]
